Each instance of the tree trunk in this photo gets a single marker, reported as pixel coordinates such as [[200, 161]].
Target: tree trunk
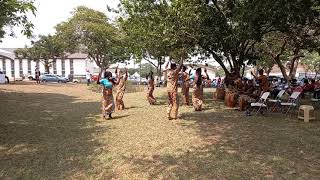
[[47, 66], [293, 69], [282, 68]]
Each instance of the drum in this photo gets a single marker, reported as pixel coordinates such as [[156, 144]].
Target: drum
[[232, 100], [220, 93], [243, 102], [215, 96], [226, 99]]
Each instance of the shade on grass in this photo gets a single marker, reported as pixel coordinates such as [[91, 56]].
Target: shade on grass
[[55, 131]]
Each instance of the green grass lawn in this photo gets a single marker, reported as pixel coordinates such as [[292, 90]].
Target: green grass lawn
[[56, 132]]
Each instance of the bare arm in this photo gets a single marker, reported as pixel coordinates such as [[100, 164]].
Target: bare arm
[[207, 76], [126, 72], [253, 75]]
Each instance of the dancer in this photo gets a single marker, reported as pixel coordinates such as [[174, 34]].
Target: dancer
[[121, 88], [172, 89], [150, 96], [197, 94], [107, 97], [185, 85]]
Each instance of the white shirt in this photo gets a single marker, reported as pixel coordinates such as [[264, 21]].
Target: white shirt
[[88, 75]]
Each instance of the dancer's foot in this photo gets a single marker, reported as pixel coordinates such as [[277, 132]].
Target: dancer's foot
[[110, 115]]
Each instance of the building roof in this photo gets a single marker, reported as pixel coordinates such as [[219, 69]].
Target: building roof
[[9, 52]]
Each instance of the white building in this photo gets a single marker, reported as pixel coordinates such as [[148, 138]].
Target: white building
[[75, 64]]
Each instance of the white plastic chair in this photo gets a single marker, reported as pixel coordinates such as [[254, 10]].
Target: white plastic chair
[[276, 102], [262, 103], [292, 103]]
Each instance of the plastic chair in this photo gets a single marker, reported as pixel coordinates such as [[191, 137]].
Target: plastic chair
[[292, 102], [262, 103], [276, 102], [308, 113]]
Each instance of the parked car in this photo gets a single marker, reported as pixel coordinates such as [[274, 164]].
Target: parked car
[[53, 78]]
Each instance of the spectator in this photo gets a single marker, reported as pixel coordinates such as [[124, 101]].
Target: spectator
[[316, 86], [307, 87], [37, 73], [219, 81], [88, 77], [5, 76]]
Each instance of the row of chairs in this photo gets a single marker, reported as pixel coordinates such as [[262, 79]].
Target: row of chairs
[[290, 105]]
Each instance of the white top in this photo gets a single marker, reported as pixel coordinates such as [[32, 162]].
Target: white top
[[88, 75]]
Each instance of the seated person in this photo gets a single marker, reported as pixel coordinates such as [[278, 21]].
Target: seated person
[[249, 88], [238, 85], [263, 79], [316, 93], [307, 87], [293, 85]]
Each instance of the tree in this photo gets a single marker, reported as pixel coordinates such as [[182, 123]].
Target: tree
[[14, 13], [312, 62], [153, 31], [90, 32], [46, 50], [227, 30]]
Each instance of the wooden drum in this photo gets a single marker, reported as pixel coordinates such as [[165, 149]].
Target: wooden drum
[[243, 102], [230, 99], [220, 93]]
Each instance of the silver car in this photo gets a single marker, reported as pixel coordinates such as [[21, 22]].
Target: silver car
[[53, 78]]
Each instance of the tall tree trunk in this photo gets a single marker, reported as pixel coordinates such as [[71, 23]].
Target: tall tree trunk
[[47, 66], [282, 68]]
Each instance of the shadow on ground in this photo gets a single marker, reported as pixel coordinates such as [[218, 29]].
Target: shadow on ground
[[241, 147], [48, 136]]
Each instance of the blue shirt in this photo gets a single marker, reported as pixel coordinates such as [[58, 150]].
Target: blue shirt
[[106, 83]]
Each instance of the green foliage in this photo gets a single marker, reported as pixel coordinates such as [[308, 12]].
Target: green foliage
[[89, 31], [312, 62], [46, 50], [14, 13], [228, 31]]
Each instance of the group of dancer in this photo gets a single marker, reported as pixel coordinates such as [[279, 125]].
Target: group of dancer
[[173, 72]]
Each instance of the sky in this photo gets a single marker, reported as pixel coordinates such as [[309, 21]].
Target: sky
[[49, 14]]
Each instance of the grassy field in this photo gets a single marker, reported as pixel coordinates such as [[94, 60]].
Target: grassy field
[[56, 132]]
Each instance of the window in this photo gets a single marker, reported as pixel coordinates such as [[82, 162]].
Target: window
[[29, 66], [4, 68], [63, 67], [54, 63], [71, 67], [20, 68], [12, 68]]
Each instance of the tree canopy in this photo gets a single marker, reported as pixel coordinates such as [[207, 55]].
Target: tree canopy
[[45, 50], [229, 31], [14, 13], [89, 31]]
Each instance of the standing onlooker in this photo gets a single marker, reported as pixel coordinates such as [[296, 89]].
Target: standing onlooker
[[37, 73], [6, 77], [88, 77], [219, 81]]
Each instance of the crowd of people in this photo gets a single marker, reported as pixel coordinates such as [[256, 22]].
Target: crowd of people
[[248, 90]]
